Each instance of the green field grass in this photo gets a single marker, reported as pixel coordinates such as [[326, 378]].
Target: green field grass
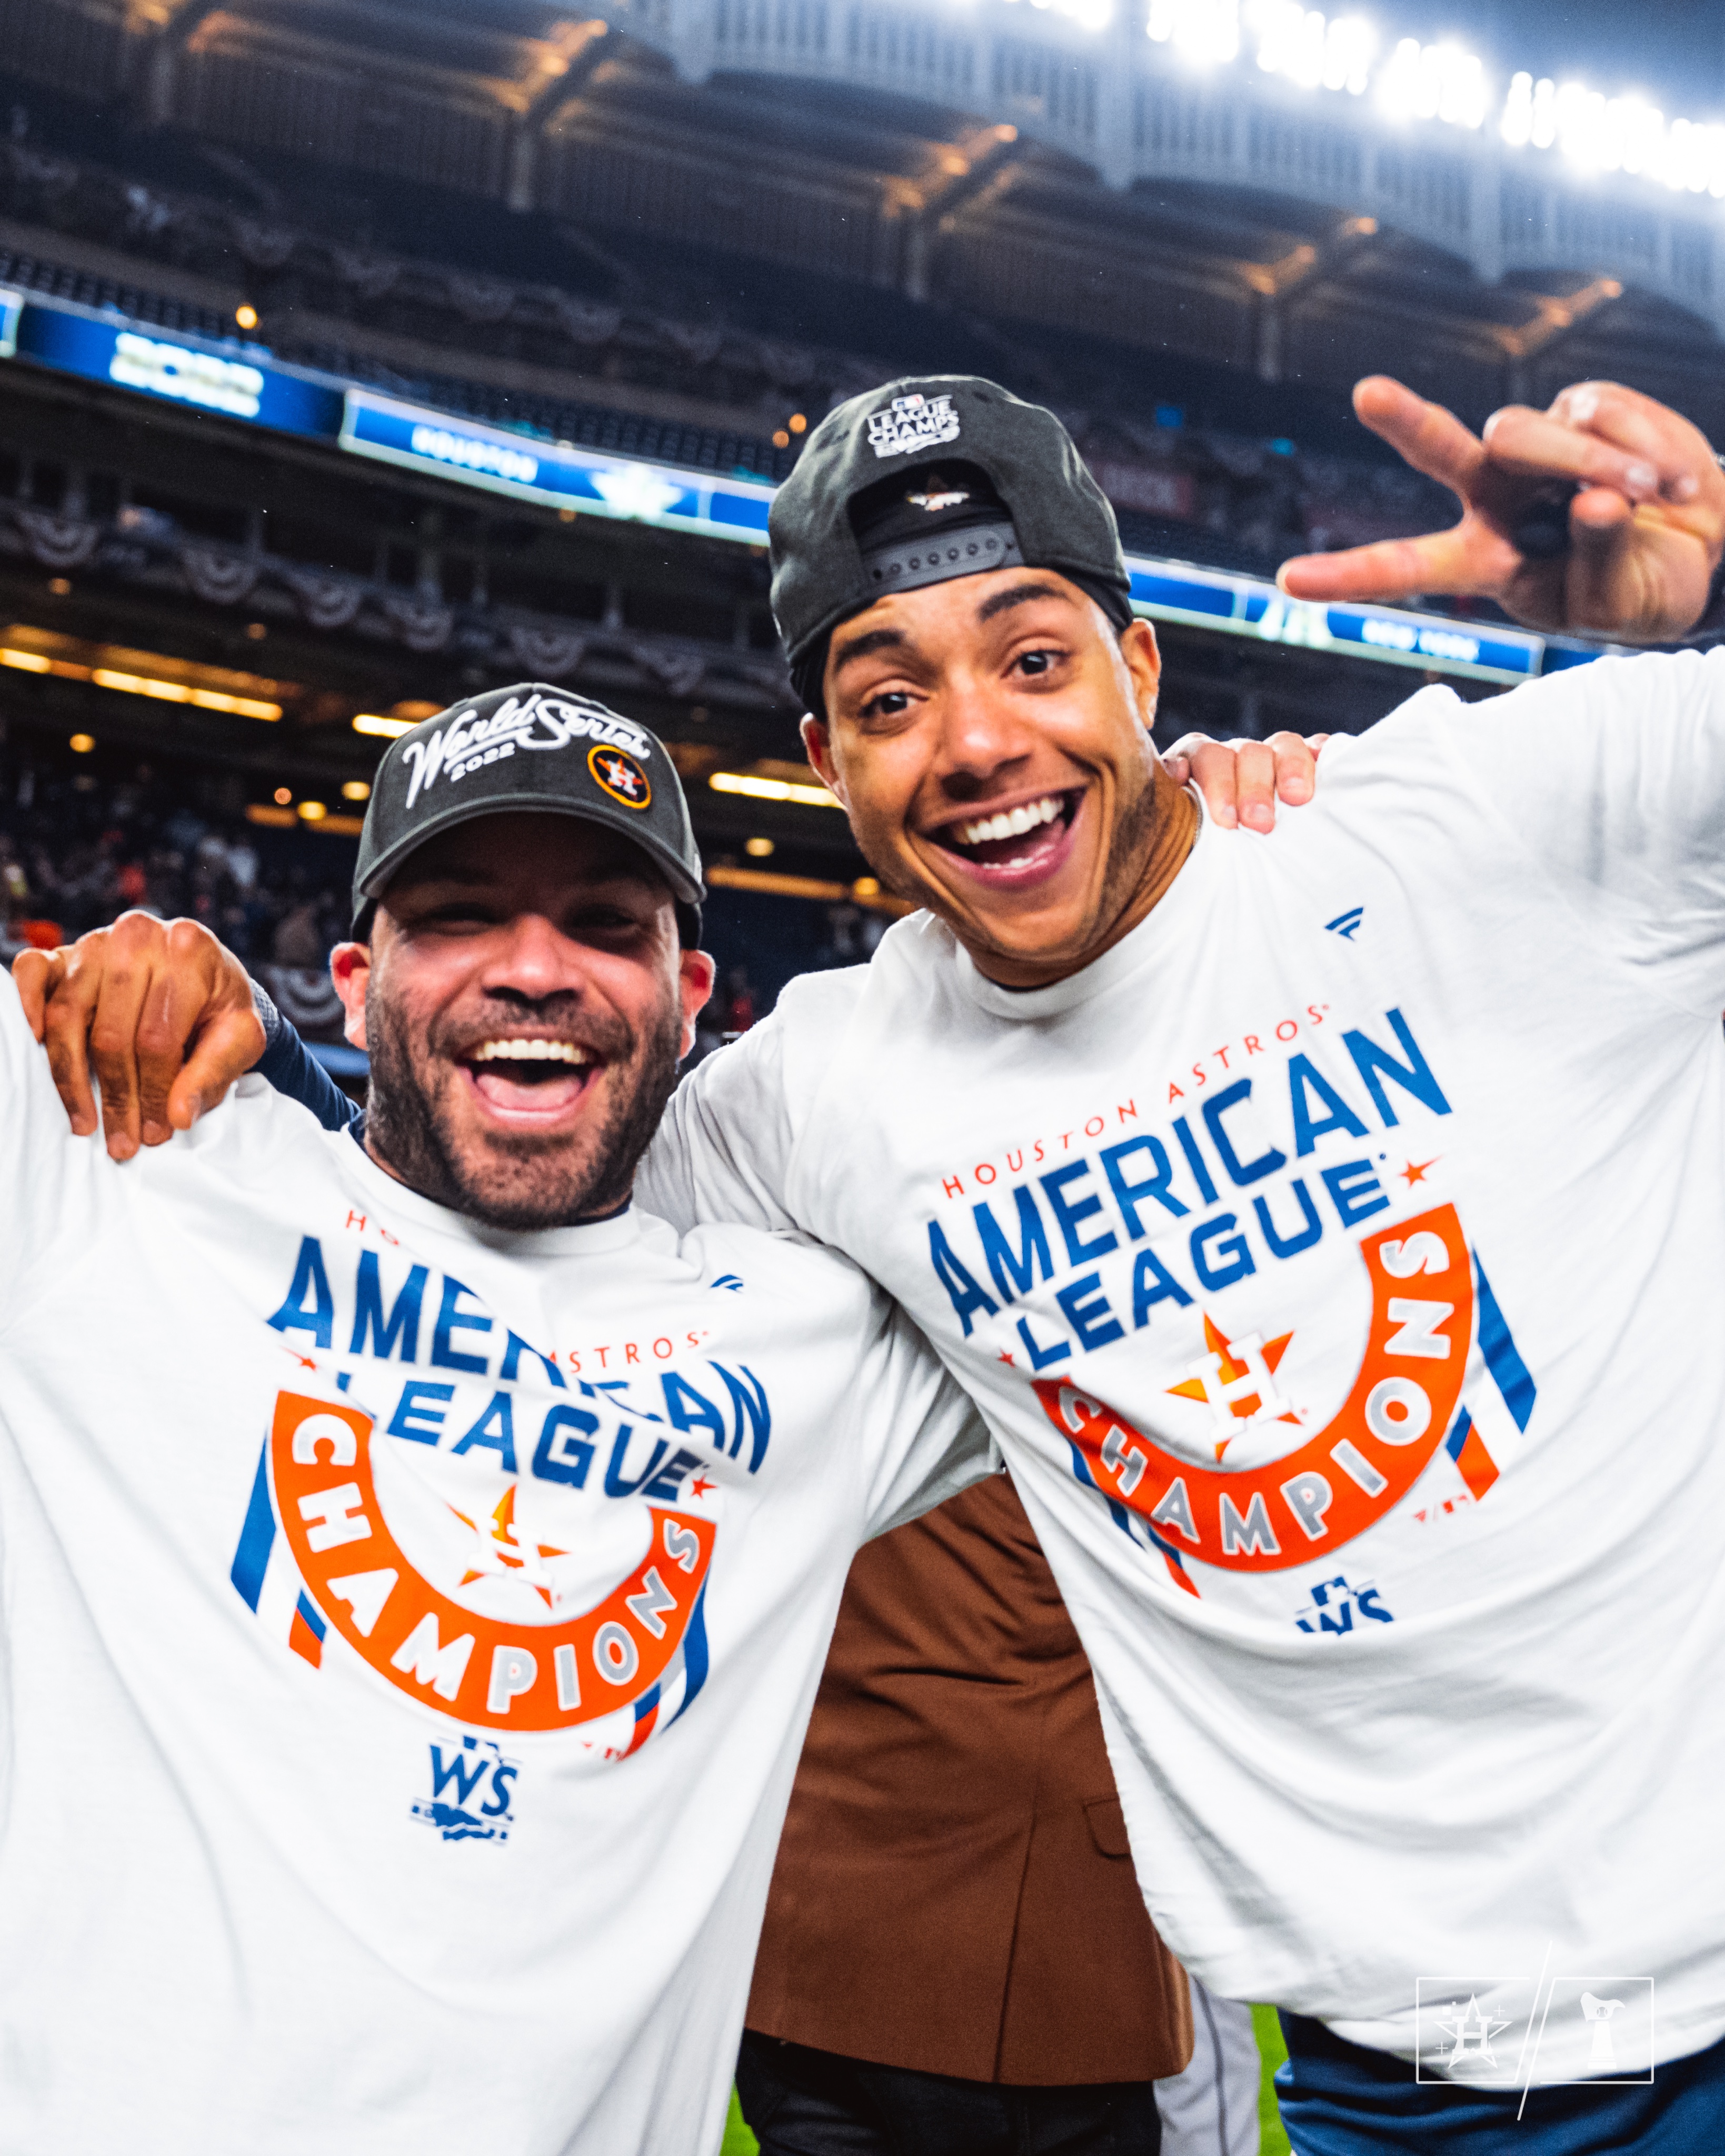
[[1271, 2051], [740, 2142]]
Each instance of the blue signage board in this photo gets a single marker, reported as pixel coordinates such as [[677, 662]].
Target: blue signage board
[[1169, 591], [246, 382], [226, 378], [556, 474], [1249, 606], [1490, 651]]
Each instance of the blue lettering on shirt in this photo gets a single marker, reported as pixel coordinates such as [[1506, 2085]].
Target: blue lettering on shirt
[[1128, 1193]]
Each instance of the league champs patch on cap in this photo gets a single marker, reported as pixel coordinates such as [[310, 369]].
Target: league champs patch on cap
[[837, 535], [534, 747]]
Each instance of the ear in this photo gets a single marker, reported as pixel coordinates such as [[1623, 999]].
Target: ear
[[351, 970], [1142, 657], [818, 746], [696, 974]]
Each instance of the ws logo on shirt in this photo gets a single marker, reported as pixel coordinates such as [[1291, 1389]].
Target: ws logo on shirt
[[468, 1612], [472, 1792]]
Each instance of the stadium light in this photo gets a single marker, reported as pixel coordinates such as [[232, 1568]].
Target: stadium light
[[1614, 135], [746, 782], [1206, 33], [1433, 82], [1440, 82], [26, 661], [374, 722], [181, 692], [1088, 14], [1299, 44]]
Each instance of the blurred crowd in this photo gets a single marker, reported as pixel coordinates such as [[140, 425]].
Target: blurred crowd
[[77, 850], [74, 853]]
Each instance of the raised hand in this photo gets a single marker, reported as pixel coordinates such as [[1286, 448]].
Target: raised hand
[[1604, 515], [160, 1009], [1242, 781]]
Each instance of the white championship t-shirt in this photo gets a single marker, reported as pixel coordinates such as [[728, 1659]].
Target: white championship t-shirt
[[407, 1634], [1339, 1262]]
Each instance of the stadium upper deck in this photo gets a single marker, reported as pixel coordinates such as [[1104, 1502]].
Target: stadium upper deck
[[633, 233], [1052, 167]]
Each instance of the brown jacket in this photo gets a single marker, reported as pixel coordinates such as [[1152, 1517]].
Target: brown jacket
[[953, 1891]]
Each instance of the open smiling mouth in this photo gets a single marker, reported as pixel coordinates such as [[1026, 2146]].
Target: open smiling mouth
[[1013, 845], [530, 1077]]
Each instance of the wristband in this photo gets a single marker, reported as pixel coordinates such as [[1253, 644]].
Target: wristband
[[267, 1017]]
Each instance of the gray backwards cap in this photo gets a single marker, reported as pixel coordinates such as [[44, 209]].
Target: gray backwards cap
[[1058, 516], [537, 747]]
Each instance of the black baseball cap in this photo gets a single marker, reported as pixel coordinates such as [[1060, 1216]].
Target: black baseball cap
[[931, 477], [530, 746]]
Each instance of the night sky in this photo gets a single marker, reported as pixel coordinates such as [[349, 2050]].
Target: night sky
[[1671, 50]]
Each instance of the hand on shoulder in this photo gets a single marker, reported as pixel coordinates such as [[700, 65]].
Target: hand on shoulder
[[1242, 781], [158, 1013]]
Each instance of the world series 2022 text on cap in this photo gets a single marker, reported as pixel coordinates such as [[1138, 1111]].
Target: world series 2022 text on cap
[[533, 747]]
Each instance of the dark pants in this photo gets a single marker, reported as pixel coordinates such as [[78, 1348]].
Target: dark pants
[[1338, 2100], [801, 2102]]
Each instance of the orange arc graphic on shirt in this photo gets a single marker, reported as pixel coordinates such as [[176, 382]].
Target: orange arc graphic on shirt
[[1341, 1482], [477, 1670]]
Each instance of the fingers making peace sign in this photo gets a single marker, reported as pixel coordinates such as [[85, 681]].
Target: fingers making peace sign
[[1603, 516]]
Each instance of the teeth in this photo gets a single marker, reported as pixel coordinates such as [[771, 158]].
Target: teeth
[[1011, 823], [531, 1051]]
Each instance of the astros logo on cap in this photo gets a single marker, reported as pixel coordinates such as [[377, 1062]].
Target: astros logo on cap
[[617, 773]]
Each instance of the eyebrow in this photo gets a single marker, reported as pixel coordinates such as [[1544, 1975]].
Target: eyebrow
[[1017, 596], [893, 639], [860, 647], [466, 877], [484, 880]]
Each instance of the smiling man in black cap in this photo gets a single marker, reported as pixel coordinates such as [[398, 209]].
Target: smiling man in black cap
[[468, 825], [424, 1558], [1134, 1095], [988, 582]]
